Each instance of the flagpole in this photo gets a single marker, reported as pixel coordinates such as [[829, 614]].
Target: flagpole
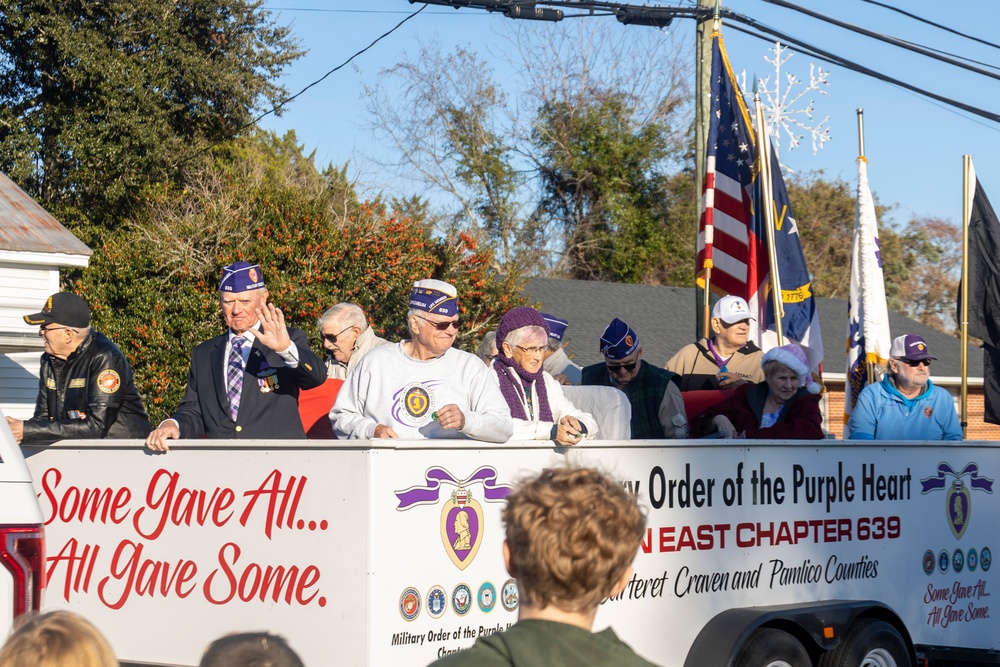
[[703, 67], [764, 154], [964, 314], [861, 132], [870, 370]]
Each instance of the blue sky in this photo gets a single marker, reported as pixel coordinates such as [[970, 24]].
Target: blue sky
[[914, 145]]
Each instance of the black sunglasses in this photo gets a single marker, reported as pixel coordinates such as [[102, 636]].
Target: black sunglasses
[[332, 338], [442, 326], [920, 362], [622, 367]]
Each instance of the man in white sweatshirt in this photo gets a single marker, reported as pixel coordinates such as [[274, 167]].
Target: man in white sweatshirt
[[422, 387]]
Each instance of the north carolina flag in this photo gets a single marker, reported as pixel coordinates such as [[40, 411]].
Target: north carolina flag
[[800, 323], [868, 337]]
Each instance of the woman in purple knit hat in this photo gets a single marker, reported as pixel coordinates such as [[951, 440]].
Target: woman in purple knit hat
[[537, 403]]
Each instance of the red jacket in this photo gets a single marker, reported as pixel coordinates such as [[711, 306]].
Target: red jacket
[[800, 418]]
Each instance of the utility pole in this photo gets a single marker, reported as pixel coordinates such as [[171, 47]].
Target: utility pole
[[703, 101]]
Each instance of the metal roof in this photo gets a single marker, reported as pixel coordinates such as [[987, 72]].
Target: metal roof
[[664, 318], [27, 227]]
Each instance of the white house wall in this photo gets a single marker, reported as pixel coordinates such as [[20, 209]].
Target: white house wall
[[23, 290], [19, 383]]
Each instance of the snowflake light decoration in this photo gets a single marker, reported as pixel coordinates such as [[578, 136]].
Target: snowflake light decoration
[[788, 112]]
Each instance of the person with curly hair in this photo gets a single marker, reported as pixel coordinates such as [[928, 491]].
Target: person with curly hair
[[571, 536]]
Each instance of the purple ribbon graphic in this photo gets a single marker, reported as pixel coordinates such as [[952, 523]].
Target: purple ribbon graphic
[[945, 469], [435, 476]]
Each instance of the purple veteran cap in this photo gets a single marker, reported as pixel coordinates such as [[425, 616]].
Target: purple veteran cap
[[910, 347], [434, 296], [241, 277], [619, 340], [557, 326]]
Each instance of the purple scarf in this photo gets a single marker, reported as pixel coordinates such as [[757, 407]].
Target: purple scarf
[[514, 319], [512, 393]]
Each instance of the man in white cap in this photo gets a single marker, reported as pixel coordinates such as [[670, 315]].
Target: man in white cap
[[423, 387], [245, 382], [727, 359], [905, 405]]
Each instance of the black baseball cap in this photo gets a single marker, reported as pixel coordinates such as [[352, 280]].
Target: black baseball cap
[[65, 308]]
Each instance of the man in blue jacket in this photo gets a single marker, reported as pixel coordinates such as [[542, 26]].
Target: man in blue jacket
[[905, 405]]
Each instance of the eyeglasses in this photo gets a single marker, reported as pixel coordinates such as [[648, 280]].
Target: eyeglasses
[[919, 362], [617, 368], [332, 338], [531, 350], [442, 326], [45, 330]]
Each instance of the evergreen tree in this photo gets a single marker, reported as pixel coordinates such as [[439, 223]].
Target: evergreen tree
[[99, 100]]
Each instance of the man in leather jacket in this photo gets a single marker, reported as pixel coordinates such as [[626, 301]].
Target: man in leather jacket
[[86, 388]]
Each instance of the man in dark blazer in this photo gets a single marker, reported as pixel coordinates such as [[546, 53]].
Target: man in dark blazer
[[245, 383]]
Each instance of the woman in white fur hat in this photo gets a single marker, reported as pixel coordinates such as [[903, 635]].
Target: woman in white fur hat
[[785, 406]]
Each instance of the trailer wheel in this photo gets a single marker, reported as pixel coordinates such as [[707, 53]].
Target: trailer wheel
[[870, 643], [768, 647]]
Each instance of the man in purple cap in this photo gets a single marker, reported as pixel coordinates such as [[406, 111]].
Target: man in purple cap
[[657, 406], [423, 387], [905, 405], [557, 363], [244, 383], [85, 388]]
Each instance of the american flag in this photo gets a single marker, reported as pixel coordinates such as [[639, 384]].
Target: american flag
[[732, 252]]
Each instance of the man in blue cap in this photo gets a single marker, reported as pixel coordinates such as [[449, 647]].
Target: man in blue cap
[[657, 406], [244, 383], [557, 363], [423, 387]]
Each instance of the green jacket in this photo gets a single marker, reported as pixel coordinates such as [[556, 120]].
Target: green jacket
[[645, 393], [536, 643]]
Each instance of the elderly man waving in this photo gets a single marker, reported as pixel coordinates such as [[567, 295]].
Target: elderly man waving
[[244, 383], [422, 387]]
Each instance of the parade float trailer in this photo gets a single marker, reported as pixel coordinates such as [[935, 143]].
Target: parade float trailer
[[755, 553]]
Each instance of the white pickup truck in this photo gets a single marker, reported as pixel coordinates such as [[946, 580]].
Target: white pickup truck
[[790, 554], [21, 536]]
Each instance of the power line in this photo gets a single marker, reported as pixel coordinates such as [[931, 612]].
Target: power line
[[338, 67], [881, 37], [851, 65], [932, 23], [285, 101]]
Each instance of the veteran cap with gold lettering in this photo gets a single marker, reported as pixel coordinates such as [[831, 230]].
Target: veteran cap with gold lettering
[[65, 308]]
